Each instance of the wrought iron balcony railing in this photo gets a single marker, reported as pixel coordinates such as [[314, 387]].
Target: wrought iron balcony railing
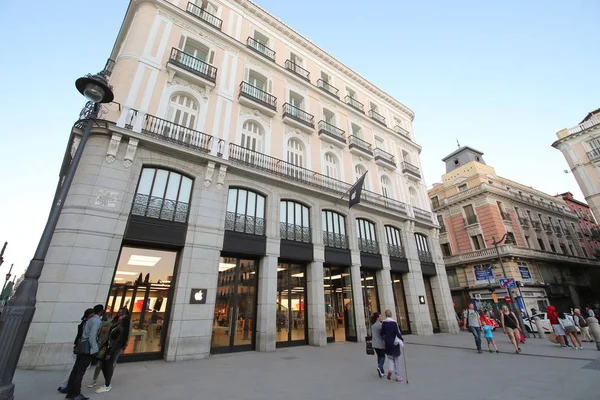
[[193, 65], [381, 155], [425, 256], [260, 48], [411, 169], [368, 246], [332, 131], [328, 88], [298, 115], [357, 105], [471, 219], [168, 131], [244, 223], [336, 240], [396, 251], [296, 233], [594, 154], [401, 131], [258, 95], [505, 216], [297, 69], [160, 208], [356, 142], [204, 16], [377, 117]]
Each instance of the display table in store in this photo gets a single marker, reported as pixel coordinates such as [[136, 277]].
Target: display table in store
[[141, 333]]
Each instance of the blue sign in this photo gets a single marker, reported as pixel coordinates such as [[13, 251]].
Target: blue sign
[[507, 283], [525, 274], [484, 273], [521, 304]]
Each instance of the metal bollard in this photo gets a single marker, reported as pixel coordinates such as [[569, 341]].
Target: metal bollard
[[540, 327], [594, 330]]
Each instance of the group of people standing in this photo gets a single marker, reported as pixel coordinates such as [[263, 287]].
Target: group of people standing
[[387, 342], [100, 343]]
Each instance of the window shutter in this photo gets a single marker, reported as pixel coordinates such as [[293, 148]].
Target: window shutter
[[211, 57], [182, 42], [269, 86], [246, 74]]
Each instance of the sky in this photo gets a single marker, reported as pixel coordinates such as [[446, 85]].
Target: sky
[[502, 77]]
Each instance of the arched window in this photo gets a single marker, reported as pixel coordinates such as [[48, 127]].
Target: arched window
[[386, 187], [245, 212], [294, 221], [394, 241], [359, 171], [295, 152], [423, 247], [413, 197], [183, 110], [367, 239], [252, 136], [162, 194], [332, 168], [334, 229]]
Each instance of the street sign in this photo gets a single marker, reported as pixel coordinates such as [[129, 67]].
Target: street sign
[[507, 283], [507, 299], [477, 296], [495, 297], [525, 274]]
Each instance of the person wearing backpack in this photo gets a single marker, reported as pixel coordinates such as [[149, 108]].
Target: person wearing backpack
[[473, 324], [583, 325]]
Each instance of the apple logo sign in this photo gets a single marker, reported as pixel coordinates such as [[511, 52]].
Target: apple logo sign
[[198, 296]]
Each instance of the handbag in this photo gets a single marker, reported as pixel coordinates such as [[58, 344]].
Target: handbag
[[522, 337], [369, 344], [82, 347]]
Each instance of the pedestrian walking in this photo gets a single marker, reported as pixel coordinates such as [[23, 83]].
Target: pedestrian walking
[[377, 341], [589, 311], [570, 329], [473, 324], [87, 347], [581, 322], [117, 341], [86, 315], [390, 332], [510, 326], [559, 331], [105, 329], [489, 336]]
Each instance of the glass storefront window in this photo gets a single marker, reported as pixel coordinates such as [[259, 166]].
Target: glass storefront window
[[400, 302], [339, 310], [142, 284], [431, 304], [291, 319], [368, 283], [235, 308]]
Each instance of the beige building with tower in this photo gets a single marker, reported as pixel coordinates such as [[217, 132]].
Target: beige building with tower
[[211, 199], [580, 146]]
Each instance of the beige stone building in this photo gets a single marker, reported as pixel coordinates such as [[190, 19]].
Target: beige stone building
[[211, 199], [580, 146], [543, 249]]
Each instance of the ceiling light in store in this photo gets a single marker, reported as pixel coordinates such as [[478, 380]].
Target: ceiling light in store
[[280, 269], [119, 279], [298, 275], [143, 261], [397, 280], [336, 277], [225, 266], [368, 278], [127, 273]]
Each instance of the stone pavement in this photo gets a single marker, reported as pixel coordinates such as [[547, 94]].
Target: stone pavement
[[439, 367]]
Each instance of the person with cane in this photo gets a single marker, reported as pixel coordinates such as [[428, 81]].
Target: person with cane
[[390, 331]]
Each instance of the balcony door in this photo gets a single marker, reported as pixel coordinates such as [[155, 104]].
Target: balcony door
[[258, 81], [183, 111], [252, 136]]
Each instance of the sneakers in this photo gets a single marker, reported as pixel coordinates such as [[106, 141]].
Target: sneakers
[[491, 351], [63, 389], [389, 375], [91, 385], [497, 351], [580, 347], [400, 379], [103, 389], [380, 372], [479, 351]]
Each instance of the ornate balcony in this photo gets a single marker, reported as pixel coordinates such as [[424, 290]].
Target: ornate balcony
[[557, 229], [326, 87], [357, 105], [332, 134], [547, 227], [396, 251], [524, 222], [411, 169], [368, 246], [594, 154], [204, 16], [160, 208], [537, 225], [336, 240], [422, 214], [260, 48], [296, 233], [402, 131], [377, 117], [192, 68], [425, 256], [360, 147], [384, 158], [298, 118], [297, 69], [244, 223], [252, 96], [181, 135]]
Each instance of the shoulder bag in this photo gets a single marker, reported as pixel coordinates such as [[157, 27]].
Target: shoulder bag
[[369, 344], [82, 347]]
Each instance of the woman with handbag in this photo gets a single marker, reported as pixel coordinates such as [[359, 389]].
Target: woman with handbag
[[510, 326], [559, 331], [117, 341], [377, 341], [390, 332]]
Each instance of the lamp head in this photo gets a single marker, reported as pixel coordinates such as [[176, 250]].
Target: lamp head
[[95, 88]]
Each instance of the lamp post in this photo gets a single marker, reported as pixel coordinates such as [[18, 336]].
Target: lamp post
[[510, 293], [18, 314], [8, 275]]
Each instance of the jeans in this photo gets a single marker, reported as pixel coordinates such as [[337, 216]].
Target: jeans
[[477, 335], [108, 366], [68, 373], [380, 358], [81, 364]]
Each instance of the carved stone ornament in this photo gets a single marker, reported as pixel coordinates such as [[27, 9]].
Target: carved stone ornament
[[106, 198], [198, 89], [435, 234], [130, 152], [473, 230], [256, 114], [410, 226], [208, 175], [113, 148], [221, 177], [75, 145]]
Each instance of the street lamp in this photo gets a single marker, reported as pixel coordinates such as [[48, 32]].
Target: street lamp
[[18, 314], [510, 293]]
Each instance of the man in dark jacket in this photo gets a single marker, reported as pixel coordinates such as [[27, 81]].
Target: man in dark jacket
[[86, 315]]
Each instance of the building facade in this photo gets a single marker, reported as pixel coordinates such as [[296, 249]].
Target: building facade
[[536, 235], [212, 197], [587, 228], [580, 146]]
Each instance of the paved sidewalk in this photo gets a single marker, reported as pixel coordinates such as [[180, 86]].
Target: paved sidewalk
[[438, 368]]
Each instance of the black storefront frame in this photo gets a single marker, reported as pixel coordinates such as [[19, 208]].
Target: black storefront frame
[[290, 342], [367, 316], [342, 269], [232, 348], [429, 289], [400, 276]]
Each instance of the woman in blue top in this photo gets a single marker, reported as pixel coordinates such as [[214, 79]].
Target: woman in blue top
[[393, 341]]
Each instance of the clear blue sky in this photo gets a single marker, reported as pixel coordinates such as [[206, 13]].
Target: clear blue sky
[[502, 77]]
